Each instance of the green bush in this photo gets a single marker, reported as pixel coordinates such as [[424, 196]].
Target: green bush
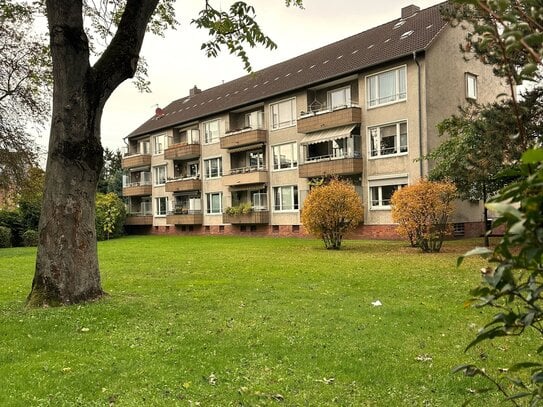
[[5, 237], [30, 238], [14, 222], [110, 216]]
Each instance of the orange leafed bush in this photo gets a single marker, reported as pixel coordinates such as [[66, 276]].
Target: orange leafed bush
[[422, 211], [332, 210]]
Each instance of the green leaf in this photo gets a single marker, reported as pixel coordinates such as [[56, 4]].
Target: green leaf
[[478, 251], [532, 156]]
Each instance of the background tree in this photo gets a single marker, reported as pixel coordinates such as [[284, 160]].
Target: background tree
[[422, 212], [110, 216], [331, 211], [30, 197], [67, 265], [111, 177], [25, 89]]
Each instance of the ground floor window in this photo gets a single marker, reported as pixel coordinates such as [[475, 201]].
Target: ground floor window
[[285, 198], [161, 206], [381, 191], [214, 203]]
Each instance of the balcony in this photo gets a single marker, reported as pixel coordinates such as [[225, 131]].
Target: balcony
[[329, 118], [327, 165], [138, 189], [136, 219], [185, 218], [136, 160], [183, 184], [246, 175], [182, 151], [252, 218], [244, 137]]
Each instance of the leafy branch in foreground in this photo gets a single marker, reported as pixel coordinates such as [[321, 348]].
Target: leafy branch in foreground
[[513, 280]]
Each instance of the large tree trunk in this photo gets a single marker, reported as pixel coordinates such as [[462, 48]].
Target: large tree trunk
[[67, 263]]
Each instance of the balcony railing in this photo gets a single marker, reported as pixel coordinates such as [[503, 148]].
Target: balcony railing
[[136, 160], [246, 175], [331, 165], [244, 137], [326, 117], [252, 218], [182, 216], [184, 184], [138, 188], [182, 151]]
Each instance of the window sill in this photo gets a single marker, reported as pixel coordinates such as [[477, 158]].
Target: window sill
[[286, 211], [285, 169], [284, 127], [385, 104], [381, 208], [379, 157]]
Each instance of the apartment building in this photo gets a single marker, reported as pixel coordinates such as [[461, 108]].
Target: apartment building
[[241, 157]]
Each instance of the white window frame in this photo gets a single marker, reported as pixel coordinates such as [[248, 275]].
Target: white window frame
[[207, 163], [398, 139], [294, 164], [156, 174], [471, 86], [208, 201], [295, 199], [158, 148], [399, 96], [208, 134], [346, 90], [158, 213], [396, 180], [281, 125]]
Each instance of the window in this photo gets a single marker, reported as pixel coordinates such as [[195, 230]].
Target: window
[[387, 87], [193, 169], [388, 140], [213, 167], [159, 144], [285, 198], [159, 175], [254, 120], [471, 86], [283, 113], [144, 147], [214, 203], [285, 156], [161, 206], [338, 98], [380, 195], [256, 159], [211, 131]]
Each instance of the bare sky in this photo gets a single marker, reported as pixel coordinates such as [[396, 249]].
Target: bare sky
[[176, 62]]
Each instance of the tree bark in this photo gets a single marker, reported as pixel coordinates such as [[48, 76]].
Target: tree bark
[[67, 269]]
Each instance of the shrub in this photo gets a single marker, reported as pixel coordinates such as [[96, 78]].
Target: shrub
[[422, 211], [30, 238], [110, 216], [14, 222], [5, 237], [240, 209], [331, 210]]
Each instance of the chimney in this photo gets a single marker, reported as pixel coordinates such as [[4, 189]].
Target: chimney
[[194, 91], [408, 11]]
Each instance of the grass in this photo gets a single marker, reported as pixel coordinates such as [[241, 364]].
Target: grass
[[218, 321]]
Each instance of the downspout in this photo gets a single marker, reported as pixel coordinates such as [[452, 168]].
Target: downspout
[[420, 113]]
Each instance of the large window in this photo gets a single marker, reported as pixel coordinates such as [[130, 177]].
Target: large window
[[211, 131], [381, 192], [285, 156], [471, 86], [161, 204], [390, 139], [285, 198], [338, 98], [213, 167], [159, 144], [283, 113], [159, 175], [214, 203], [387, 87]]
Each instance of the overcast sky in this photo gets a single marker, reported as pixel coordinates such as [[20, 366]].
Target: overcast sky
[[176, 62]]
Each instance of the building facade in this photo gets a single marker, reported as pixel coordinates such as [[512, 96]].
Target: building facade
[[241, 157]]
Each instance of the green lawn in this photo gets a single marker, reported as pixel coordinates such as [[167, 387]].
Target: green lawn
[[218, 321]]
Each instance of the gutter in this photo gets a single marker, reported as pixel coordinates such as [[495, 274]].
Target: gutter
[[420, 113]]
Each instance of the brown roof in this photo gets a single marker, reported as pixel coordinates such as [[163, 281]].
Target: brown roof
[[384, 43]]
